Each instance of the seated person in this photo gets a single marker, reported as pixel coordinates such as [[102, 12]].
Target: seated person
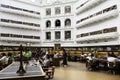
[[111, 57], [56, 55], [83, 57], [37, 55], [92, 62], [34, 62], [4, 59], [46, 62], [90, 56], [10, 59]]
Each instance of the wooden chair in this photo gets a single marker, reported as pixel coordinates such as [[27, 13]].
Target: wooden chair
[[117, 67], [88, 64], [111, 67], [1, 65], [56, 61], [103, 64], [92, 65], [49, 72]]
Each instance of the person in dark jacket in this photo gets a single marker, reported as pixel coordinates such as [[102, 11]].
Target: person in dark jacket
[[64, 58]]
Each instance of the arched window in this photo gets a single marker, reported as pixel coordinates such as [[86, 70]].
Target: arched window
[[67, 22], [57, 23], [48, 23]]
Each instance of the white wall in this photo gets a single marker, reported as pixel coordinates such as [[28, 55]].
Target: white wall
[[53, 17], [37, 6]]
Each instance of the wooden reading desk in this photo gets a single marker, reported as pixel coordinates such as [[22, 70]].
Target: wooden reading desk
[[34, 72]]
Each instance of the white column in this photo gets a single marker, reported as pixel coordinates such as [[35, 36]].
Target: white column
[[62, 35]]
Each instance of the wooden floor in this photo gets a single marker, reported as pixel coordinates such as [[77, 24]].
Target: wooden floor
[[77, 71]]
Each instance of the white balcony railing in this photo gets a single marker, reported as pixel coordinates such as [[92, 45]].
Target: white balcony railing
[[67, 27], [47, 41], [19, 39], [53, 28], [60, 28], [98, 18], [89, 5], [57, 40], [52, 40], [68, 40], [19, 12], [105, 36], [19, 26]]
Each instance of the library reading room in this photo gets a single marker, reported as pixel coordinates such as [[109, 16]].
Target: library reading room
[[59, 39]]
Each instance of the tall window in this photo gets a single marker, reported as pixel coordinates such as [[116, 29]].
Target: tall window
[[48, 11], [57, 34], [48, 23], [67, 34], [67, 9], [67, 22], [48, 35], [57, 23], [57, 10]]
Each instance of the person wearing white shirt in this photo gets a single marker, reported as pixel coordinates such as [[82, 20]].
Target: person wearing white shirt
[[90, 56], [45, 55], [46, 61], [4, 59], [111, 59], [56, 55]]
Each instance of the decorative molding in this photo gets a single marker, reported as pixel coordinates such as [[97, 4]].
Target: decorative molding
[[57, 2]]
